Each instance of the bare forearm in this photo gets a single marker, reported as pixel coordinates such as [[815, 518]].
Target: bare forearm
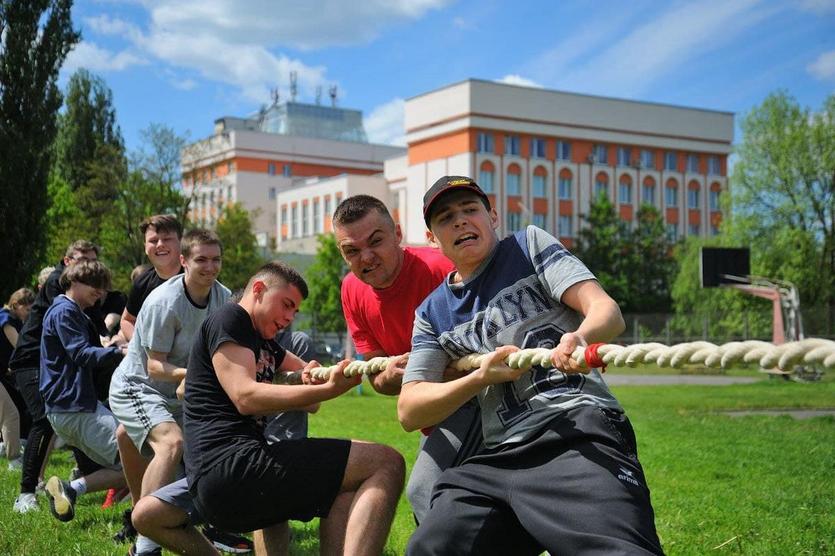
[[165, 371], [268, 399], [424, 404], [603, 322]]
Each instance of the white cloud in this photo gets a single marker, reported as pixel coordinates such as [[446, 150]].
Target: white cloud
[[818, 6], [385, 123], [111, 26], [824, 67], [515, 79], [94, 58]]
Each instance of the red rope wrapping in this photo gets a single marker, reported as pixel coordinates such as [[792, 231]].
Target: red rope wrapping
[[593, 359]]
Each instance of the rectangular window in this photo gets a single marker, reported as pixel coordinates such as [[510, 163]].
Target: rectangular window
[[271, 168], [328, 206], [229, 167], [229, 193], [539, 220], [672, 232], [514, 222], [647, 158], [693, 198], [284, 227], [693, 163], [601, 187], [671, 196], [513, 186], [713, 198], [693, 230], [511, 145], [565, 226], [601, 154], [317, 217], [625, 193], [485, 142], [295, 224], [287, 171], [305, 221], [563, 150], [537, 147], [714, 230], [670, 161], [538, 186], [485, 180], [648, 194], [624, 156], [565, 188], [713, 165], [271, 194]]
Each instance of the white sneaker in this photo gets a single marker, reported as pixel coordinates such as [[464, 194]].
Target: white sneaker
[[26, 502], [15, 464]]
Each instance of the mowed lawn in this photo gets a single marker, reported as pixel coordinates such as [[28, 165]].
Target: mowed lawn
[[720, 485]]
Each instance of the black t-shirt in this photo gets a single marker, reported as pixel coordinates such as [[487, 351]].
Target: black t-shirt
[[144, 284], [212, 427], [27, 354]]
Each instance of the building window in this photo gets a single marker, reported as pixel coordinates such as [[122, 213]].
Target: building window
[[538, 186], [287, 171], [317, 217], [671, 198], [625, 192], [693, 230], [648, 194], [693, 198], [229, 194], [647, 159], [271, 168], [565, 187], [328, 206], [514, 221], [693, 163], [513, 185], [511, 144], [305, 222], [601, 154], [563, 150], [601, 186], [565, 225], [229, 167], [672, 232], [713, 165], [295, 223], [539, 220], [485, 179], [713, 199], [284, 226], [271, 193], [624, 156], [714, 230], [485, 142], [670, 161], [537, 147]]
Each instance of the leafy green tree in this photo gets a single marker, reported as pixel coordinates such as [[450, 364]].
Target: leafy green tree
[[651, 266], [64, 219], [35, 38], [240, 250], [324, 303]]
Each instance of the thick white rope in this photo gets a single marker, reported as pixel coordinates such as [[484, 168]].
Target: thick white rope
[[785, 357]]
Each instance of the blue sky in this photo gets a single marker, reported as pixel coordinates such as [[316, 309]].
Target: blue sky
[[187, 62]]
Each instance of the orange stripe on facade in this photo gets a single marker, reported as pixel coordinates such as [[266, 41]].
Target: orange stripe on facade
[[566, 208], [540, 171], [443, 147], [715, 218], [567, 242], [514, 203], [580, 151], [492, 199], [540, 206], [694, 216], [626, 212], [672, 215]]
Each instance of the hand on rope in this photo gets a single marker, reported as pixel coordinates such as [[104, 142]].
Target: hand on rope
[[813, 351]]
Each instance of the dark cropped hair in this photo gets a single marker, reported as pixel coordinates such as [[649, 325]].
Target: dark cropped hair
[[162, 223], [274, 271], [92, 273], [198, 236], [81, 245], [357, 207]]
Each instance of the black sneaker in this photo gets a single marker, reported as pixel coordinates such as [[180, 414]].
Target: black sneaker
[[127, 533], [61, 498], [228, 542]]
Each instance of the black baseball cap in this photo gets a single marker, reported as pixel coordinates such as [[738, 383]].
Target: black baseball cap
[[448, 184]]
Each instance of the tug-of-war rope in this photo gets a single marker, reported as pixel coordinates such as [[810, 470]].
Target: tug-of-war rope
[[782, 358]]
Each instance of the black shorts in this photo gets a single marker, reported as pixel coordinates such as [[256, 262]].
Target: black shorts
[[264, 484], [575, 488]]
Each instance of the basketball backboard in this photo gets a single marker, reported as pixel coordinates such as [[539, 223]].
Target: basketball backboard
[[724, 265]]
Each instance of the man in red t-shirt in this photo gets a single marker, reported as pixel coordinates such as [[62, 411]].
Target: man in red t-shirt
[[385, 285]]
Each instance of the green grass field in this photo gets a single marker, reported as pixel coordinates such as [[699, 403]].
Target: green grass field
[[720, 485]]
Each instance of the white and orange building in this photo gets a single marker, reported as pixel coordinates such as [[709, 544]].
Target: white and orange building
[[541, 155]]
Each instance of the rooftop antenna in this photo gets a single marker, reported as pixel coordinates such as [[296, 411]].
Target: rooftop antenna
[[275, 95], [294, 88], [318, 94], [332, 93]]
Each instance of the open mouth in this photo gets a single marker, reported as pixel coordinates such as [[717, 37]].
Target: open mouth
[[466, 237], [370, 269]]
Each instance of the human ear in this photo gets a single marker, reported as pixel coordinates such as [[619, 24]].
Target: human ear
[[430, 239]]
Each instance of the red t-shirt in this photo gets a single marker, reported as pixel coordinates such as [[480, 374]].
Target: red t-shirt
[[382, 319]]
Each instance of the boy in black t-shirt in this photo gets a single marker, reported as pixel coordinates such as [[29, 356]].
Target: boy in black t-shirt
[[242, 483]]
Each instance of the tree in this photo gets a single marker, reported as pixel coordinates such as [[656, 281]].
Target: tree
[[651, 267], [35, 38], [240, 249], [324, 303], [783, 188]]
